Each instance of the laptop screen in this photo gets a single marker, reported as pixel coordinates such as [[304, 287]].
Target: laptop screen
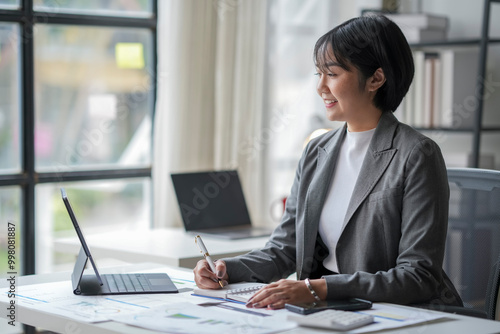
[[211, 199]]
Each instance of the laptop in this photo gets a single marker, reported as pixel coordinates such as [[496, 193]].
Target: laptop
[[212, 203], [111, 284]]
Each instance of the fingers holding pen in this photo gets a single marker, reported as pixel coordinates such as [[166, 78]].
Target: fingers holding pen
[[205, 278], [205, 270], [220, 270]]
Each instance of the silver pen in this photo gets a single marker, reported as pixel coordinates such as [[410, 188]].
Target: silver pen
[[205, 253]]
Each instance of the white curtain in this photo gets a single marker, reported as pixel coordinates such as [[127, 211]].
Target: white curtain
[[210, 96]]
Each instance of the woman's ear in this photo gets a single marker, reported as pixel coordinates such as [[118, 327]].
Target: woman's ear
[[376, 80]]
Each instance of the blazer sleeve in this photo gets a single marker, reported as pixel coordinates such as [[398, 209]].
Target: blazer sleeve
[[416, 275], [278, 257]]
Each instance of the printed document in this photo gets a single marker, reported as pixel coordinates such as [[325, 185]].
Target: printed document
[[186, 318]]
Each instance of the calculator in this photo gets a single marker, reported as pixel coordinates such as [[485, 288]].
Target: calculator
[[333, 319]]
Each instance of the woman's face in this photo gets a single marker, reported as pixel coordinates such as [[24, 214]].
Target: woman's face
[[345, 98]]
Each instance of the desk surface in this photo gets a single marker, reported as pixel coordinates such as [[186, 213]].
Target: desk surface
[[453, 324], [169, 246]]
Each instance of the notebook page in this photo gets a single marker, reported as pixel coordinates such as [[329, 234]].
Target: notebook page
[[243, 294], [234, 291]]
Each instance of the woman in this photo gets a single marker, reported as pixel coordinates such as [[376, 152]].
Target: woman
[[368, 210]]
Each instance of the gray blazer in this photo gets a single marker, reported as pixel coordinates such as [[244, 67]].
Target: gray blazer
[[392, 246]]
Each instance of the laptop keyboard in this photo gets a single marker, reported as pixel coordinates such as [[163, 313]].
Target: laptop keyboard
[[127, 282]]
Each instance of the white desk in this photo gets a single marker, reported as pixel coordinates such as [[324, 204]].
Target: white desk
[[454, 324], [169, 246]]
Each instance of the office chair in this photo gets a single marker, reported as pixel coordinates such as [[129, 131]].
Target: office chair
[[472, 255], [493, 295]]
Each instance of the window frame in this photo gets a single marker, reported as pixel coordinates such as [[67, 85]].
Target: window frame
[[28, 178]]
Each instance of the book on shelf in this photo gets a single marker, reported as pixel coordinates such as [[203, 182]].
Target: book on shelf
[[459, 73], [238, 292], [416, 111], [442, 94], [437, 89], [429, 86]]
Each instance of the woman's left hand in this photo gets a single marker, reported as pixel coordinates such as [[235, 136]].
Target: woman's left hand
[[277, 294]]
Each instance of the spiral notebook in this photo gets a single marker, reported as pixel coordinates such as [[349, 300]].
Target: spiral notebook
[[237, 292]]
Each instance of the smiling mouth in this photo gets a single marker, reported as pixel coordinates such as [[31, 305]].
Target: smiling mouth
[[329, 103]]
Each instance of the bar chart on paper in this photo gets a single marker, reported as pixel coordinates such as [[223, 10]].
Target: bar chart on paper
[[193, 319]]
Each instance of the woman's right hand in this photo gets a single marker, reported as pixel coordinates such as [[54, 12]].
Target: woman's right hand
[[206, 279]]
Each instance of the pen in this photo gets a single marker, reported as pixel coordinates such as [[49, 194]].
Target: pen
[[205, 253]]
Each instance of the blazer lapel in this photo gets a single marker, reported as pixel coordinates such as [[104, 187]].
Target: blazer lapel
[[378, 157], [315, 198]]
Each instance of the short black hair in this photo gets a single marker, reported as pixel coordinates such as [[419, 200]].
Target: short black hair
[[369, 43]]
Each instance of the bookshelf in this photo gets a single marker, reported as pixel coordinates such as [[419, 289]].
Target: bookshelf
[[450, 43], [477, 127]]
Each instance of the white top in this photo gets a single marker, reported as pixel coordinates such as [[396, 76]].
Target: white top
[[331, 223]]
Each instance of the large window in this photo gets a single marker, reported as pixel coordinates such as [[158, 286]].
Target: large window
[[77, 94], [97, 81], [10, 98], [296, 110]]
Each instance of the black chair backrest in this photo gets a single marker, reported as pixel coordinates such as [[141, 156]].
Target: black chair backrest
[[493, 293], [473, 242]]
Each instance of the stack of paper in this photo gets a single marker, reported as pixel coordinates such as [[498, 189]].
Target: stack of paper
[[420, 27]]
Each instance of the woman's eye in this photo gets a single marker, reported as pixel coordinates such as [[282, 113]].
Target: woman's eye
[[318, 74]]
